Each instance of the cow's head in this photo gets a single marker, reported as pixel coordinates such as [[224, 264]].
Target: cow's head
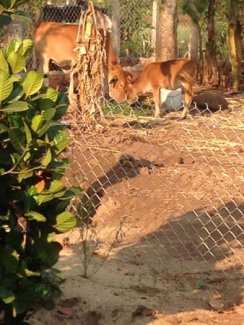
[[131, 91], [132, 96], [118, 83]]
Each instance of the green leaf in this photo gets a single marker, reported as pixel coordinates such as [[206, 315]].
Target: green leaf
[[55, 190], [44, 128], [51, 94], [17, 62], [36, 216], [61, 141], [1, 9], [36, 122], [45, 103], [48, 99], [56, 186], [6, 296], [15, 239], [24, 174], [32, 82], [71, 193], [48, 116], [15, 77], [4, 20], [26, 46], [27, 156], [17, 92], [18, 106], [3, 128], [65, 221], [17, 138], [22, 16], [47, 158], [3, 62], [51, 237], [31, 273], [12, 46], [6, 85], [46, 253], [9, 259], [28, 134]]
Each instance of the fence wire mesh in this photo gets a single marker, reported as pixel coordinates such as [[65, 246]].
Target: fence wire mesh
[[163, 194]]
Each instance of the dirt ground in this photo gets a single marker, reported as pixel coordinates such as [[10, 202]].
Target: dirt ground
[[165, 239]]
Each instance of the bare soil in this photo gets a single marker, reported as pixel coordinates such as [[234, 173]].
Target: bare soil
[[165, 239]]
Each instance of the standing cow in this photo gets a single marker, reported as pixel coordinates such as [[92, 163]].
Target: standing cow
[[57, 41]]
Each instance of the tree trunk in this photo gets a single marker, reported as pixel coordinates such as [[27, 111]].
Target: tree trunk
[[194, 42], [166, 30], [235, 41], [233, 53], [241, 15], [210, 73], [116, 25], [154, 26]]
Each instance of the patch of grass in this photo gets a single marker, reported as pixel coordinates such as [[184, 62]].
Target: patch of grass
[[123, 108], [201, 285]]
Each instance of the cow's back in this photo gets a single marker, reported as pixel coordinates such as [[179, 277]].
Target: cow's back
[[56, 41]]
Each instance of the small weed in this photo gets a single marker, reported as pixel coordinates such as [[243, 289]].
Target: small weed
[[201, 285]]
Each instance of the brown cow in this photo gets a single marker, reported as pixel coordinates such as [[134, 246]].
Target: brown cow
[[57, 41], [168, 74]]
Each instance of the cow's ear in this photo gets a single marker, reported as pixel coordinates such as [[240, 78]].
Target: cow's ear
[[113, 81]]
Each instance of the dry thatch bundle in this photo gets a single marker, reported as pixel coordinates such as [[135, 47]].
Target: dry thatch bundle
[[88, 72]]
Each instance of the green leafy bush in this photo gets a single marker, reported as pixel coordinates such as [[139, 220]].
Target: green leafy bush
[[136, 28], [33, 197], [9, 10]]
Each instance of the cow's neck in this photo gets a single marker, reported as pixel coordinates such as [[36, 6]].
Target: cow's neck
[[141, 84]]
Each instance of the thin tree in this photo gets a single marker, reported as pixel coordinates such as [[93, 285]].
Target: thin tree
[[116, 25], [235, 15], [166, 44], [210, 66]]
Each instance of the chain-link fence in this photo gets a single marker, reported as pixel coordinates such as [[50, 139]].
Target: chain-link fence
[[174, 189], [163, 194], [161, 191]]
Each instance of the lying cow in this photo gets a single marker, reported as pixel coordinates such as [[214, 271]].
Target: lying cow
[[170, 75], [57, 41]]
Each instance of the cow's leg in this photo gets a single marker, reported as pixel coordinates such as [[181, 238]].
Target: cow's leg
[[157, 101], [44, 64], [187, 97], [44, 68]]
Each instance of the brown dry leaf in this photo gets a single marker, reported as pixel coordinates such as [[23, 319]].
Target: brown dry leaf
[[69, 302], [66, 311], [142, 311], [216, 302], [66, 307]]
